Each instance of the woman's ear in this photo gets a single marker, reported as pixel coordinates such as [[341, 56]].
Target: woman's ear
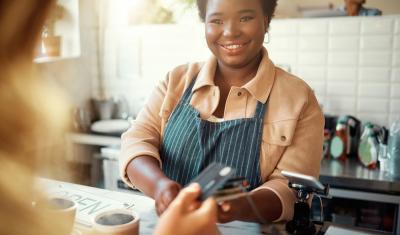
[[266, 24]]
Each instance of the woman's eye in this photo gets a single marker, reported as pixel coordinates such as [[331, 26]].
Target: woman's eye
[[216, 21], [245, 18]]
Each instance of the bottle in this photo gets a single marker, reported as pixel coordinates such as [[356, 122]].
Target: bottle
[[382, 156], [353, 134], [326, 146], [368, 147], [394, 149], [340, 140]]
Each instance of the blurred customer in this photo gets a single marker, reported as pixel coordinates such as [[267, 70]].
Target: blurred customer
[[32, 117], [186, 216], [355, 8]]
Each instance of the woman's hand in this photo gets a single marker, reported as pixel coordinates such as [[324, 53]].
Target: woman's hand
[[241, 208], [232, 210], [165, 193], [187, 216]]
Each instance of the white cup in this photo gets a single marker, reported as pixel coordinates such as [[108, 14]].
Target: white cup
[[116, 222]]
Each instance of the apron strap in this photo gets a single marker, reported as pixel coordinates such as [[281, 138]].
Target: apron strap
[[187, 95], [260, 109]]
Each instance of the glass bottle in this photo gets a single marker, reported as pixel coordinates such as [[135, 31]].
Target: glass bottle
[[368, 147], [340, 141], [393, 163]]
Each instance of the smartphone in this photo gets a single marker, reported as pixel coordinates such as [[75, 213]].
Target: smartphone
[[213, 178], [305, 180]]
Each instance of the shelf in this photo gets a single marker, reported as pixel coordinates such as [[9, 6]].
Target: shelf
[[52, 59], [68, 29], [93, 139]]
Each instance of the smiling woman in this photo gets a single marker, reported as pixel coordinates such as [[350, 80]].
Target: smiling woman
[[237, 108]]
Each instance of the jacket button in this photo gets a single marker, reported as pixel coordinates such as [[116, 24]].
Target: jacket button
[[239, 93], [283, 138]]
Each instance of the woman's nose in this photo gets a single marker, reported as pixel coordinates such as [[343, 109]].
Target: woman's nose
[[231, 30]]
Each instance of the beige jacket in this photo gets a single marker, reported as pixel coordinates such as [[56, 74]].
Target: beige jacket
[[293, 124]]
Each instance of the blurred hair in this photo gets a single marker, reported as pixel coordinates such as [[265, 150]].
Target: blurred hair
[[268, 7], [32, 118]]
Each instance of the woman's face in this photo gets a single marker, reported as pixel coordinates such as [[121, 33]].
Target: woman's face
[[235, 30]]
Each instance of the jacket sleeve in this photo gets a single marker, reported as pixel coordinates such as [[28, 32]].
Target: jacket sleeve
[[303, 155], [144, 135]]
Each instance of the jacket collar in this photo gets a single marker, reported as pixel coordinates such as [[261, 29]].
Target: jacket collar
[[259, 87]]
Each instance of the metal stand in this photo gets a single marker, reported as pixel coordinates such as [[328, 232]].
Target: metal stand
[[301, 223]]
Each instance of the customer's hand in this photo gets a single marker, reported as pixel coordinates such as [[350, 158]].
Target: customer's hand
[[165, 193], [187, 216]]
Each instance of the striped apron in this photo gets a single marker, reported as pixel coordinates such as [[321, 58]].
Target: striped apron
[[190, 144]]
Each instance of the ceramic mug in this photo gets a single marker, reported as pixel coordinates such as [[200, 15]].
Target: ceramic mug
[[63, 210], [116, 222]]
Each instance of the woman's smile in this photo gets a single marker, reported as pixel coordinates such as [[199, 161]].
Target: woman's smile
[[233, 48]]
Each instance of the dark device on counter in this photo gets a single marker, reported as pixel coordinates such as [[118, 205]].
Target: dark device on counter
[[304, 185], [219, 180]]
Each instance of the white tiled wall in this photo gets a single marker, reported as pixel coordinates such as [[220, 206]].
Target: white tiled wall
[[352, 63]]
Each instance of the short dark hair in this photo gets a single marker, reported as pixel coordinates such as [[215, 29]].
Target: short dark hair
[[268, 7]]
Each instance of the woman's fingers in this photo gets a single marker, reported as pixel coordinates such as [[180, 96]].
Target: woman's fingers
[[225, 206], [224, 212], [160, 207]]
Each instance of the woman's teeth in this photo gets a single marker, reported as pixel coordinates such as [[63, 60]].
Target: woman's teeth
[[230, 47]]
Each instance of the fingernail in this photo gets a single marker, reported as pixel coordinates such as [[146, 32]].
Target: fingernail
[[226, 207], [194, 185]]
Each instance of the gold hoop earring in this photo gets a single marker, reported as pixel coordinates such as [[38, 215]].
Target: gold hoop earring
[[266, 38]]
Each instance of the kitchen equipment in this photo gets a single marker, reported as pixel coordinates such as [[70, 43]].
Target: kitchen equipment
[[330, 122], [121, 109], [329, 130], [346, 137], [104, 108], [394, 150], [369, 146], [110, 127], [305, 185], [327, 143], [354, 133], [382, 156], [340, 140]]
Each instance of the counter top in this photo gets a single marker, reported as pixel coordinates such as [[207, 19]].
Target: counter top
[[91, 201], [351, 174]]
